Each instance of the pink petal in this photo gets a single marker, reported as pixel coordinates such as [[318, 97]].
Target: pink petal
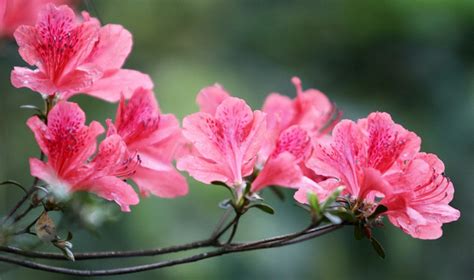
[[26, 39], [112, 158], [113, 47], [415, 174], [39, 129], [71, 140], [313, 109], [139, 119], [168, 183], [113, 188], [32, 79], [115, 83], [280, 171], [201, 129], [227, 143], [322, 190], [76, 81], [66, 140], [42, 171], [342, 158], [279, 110], [387, 142], [294, 140], [203, 170], [210, 97], [253, 142]]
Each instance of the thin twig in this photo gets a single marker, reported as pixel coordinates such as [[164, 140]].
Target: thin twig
[[109, 254], [14, 183], [221, 222], [234, 228], [226, 249], [18, 205]]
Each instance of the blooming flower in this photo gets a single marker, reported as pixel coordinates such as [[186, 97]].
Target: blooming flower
[[311, 110], [75, 56], [154, 137], [68, 144], [418, 197], [377, 159], [281, 167], [283, 151], [224, 141], [14, 13]]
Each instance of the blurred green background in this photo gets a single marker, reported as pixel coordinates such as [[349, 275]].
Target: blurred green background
[[414, 59]]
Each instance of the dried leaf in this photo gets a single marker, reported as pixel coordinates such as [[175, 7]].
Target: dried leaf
[[45, 228]]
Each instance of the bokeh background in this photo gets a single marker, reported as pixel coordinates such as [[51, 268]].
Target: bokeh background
[[414, 59]]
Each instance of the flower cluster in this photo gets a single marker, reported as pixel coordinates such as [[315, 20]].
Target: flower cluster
[[298, 143]]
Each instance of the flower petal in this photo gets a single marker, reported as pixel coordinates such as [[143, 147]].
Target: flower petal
[[32, 79], [114, 189], [210, 97], [281, 170], [113, 47], [115, 83], [164, 183]]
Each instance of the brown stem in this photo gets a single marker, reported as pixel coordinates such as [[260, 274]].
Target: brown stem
[[224, 249]]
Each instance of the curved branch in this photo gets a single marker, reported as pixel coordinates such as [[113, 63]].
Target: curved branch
[[109, 254], [278, 241]]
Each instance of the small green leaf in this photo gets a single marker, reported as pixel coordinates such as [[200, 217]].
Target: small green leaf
[[265, 208], [226, 203], [219, 183], [277, 191], [32, 107], [69, 236], [379, 210], [314, 202], [346, 216], [358, 231], [331, 198], [68, 254], [333, 218], [222, 184], [378, 247]]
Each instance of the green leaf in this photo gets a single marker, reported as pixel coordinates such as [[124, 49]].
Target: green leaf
[[68, 254], [314, 202], [226, 203], [69, 236], [379, 210], [358, 231], [277, 191], [265, 208], [222, 184], [32, 107], [219, 183], [331, 198], [378, 248], [333, 218], [346, 216]]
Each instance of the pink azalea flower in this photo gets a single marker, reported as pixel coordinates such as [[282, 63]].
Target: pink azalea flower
[[224, 144], [282, 166], [69, 144], [154, 137], [418, 197], [311, 110], [376, 158], [280, 157], [14, 13], [75, 56]]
